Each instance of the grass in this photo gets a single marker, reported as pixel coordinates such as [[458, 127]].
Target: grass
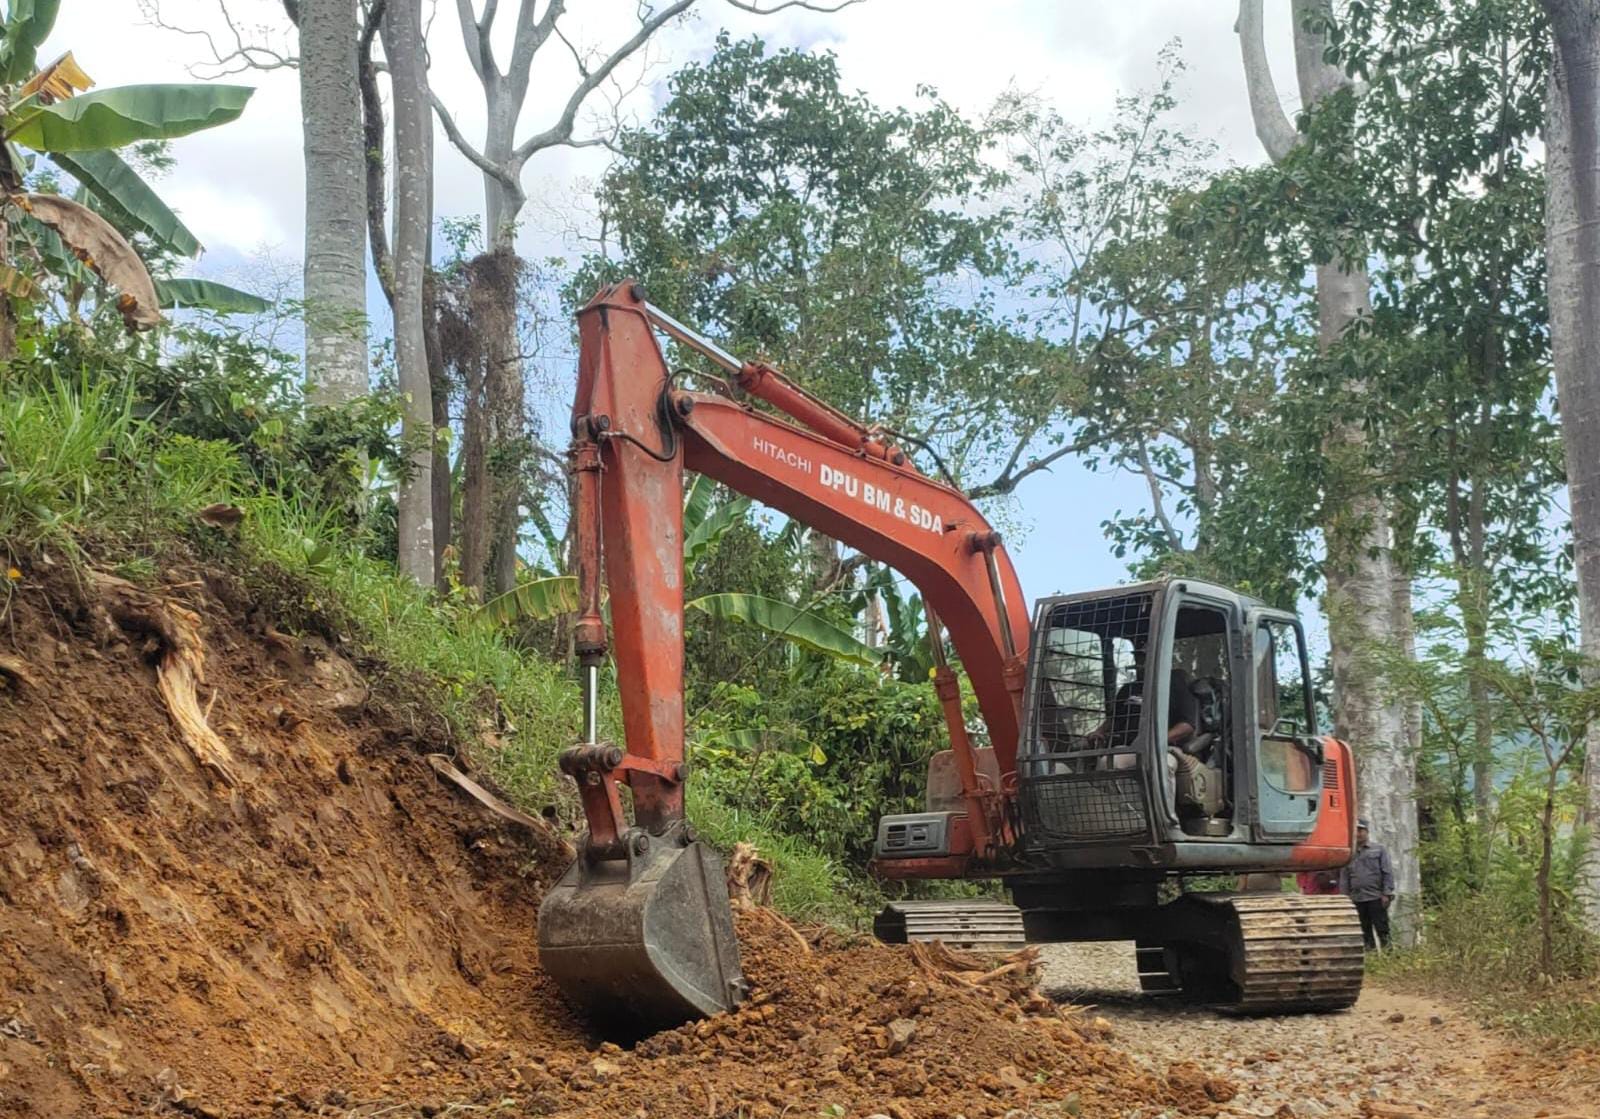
[[83, 479], [1555, 1016], [1482, 951]]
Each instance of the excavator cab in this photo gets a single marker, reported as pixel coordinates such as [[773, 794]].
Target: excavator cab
[[1132, 730], [1167, 720]]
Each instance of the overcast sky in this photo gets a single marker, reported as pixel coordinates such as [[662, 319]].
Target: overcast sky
[[240, 189]]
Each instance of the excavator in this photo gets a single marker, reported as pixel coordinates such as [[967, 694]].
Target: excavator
[[1137, 741]]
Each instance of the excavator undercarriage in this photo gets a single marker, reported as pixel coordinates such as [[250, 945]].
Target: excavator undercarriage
[[1249, 953]]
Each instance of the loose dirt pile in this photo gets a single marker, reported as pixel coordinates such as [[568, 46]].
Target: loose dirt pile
[[282, 910]]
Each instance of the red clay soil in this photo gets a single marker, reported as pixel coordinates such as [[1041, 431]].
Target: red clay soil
[[336, 932]]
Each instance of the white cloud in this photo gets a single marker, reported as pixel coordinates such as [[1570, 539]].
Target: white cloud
[[240, 186]]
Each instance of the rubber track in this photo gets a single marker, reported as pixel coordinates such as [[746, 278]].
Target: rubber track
[[985, 925]]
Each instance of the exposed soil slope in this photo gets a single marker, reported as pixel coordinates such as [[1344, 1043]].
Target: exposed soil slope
[[334, 915], [255, 897]]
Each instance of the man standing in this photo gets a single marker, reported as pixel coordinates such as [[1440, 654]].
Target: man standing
[[1369, 880]]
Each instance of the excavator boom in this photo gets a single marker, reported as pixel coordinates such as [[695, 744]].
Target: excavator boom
[[638, 932]]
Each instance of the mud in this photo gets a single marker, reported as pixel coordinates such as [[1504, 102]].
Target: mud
[[326, 928]]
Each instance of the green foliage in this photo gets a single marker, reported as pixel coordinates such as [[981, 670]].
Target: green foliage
[[820, 763], [798, 221], [62, 450], [212, 384], [114, 118]]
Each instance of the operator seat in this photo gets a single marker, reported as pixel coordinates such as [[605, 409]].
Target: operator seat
[[1183, 707], [1197, 786]]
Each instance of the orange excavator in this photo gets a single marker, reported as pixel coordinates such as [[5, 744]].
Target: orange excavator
[[1138, 738]]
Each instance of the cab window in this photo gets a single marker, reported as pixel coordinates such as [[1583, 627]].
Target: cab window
[[1283, 707]]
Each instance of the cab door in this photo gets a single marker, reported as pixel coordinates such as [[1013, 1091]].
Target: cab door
[[1287, 756]]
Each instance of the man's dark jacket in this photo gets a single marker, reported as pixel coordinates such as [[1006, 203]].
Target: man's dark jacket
[[1369, 876]]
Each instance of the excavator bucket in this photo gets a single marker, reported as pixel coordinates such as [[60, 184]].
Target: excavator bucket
[[644, 942]]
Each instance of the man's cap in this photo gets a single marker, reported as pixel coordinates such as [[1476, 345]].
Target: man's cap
[[1362, 824]]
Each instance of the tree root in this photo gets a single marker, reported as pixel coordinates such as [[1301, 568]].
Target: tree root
[[542, 828], [749, 877], [180, 670], [13, 669], [967, 969]]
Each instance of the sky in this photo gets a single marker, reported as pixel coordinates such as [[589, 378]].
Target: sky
[[240, 187]]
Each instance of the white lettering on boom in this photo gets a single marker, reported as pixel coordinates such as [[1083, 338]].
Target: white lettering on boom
[[879, 499], [852, 487], [768, 449]]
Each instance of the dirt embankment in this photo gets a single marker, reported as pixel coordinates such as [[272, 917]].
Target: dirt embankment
[[229, 885], [330, 916]]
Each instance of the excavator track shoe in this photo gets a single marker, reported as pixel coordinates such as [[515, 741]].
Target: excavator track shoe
[[643, 943], [979, 925], [1266, 953], [1297, 952]]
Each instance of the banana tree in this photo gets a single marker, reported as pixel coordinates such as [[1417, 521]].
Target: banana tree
[[705, 521], [904, 630], [50, 112]]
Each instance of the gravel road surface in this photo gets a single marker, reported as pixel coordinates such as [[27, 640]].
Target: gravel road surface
[[1393, 1056]]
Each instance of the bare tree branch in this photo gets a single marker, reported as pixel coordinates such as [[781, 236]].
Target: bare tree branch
[[531, 35], [1009, 479], [1158, 504], [372, 140], [561, 131], [755, 7], [462, 144], [1273, 127], [475, 36], [244, 54]]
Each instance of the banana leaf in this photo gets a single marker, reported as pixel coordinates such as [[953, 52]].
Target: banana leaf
[[113, 118], [127, 199], [711, 528], [535, 598], [208, 295], [781, 619]]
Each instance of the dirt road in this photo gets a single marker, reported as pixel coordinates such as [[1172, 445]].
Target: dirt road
[[1393, 1055]]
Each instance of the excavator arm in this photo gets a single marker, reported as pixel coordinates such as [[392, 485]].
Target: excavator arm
[[635, 433]]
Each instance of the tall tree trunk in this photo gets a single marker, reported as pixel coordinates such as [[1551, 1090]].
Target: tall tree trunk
[[504, 382], [1359, 571], [1572, 225], [439, 396], [335, 249], [402, 41], [475, 487]]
